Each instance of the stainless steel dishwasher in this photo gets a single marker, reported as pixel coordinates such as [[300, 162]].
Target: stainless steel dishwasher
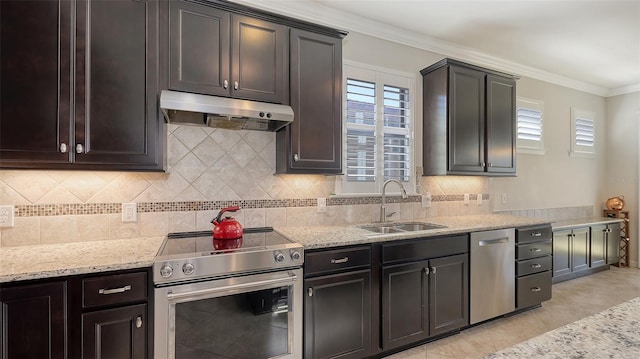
[[492, 276]]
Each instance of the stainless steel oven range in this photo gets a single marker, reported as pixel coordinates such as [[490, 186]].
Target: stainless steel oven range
[[243, 302]]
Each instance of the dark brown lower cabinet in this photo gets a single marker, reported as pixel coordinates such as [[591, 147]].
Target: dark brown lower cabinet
[[115, 333], [34, 321], [338, 315], [424, 299], [84, 316]]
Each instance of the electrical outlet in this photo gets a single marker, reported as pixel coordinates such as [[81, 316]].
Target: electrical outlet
[[322, 204], [504, 198], [479, 199], [7, 216], [426, 200], [129, 212], [466, 198]]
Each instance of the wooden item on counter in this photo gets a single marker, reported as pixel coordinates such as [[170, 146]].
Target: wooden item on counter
[[624, 233]]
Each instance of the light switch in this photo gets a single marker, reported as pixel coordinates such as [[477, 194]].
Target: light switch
[[322, 205], [466, 198], [426, 200]]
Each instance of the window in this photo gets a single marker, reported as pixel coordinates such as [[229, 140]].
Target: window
[[582, 133], [378, 129], [530, 126]]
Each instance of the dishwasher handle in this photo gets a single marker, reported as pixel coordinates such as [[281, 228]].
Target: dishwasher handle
[[488, 242]]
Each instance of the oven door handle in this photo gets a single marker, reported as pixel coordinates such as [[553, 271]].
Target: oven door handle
[[201, 292]]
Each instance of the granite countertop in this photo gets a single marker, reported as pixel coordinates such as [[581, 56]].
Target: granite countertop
[[56, 260], [612, 333], [313, 237], [579, 222]]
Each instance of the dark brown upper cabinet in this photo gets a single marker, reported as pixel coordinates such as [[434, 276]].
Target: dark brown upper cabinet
[[215, 52], [313, 142], [469, 122], [78, 91]]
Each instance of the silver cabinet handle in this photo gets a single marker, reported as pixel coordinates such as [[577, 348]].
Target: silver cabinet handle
[[426, 270], [536, 289], [225, 84], [490, 164], [115, 290], [235, 85], [310, 292], [536, 265], [63, 147], [139, 322], [79, 148], [482, 164], [535, 250], [296, 157], [536, 234], [433, 270], [340, 260]]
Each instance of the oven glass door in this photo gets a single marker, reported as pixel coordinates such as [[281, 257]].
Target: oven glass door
[[246, 317]]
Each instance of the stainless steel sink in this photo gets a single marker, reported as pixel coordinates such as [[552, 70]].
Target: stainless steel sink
[[416, 226], [401, 227], [382, 229]]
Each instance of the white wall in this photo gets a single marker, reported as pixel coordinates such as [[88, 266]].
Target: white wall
[[623, 159], [556, 179]]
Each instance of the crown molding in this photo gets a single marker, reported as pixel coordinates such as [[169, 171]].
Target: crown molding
[[323, 15]]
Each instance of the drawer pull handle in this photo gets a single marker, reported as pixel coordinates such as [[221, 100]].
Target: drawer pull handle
[[536, 265], [310, 292], [139, 321], [536, 234], [535, 250], [536, 289], [115, 290], [340, 261]]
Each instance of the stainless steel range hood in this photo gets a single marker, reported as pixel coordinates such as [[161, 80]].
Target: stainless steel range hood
[[185, 108]]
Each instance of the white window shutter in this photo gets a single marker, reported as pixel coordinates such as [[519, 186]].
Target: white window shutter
[[583, 133], [530, 137]]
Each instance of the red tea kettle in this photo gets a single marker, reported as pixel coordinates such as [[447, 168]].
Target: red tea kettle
[[227, 232]]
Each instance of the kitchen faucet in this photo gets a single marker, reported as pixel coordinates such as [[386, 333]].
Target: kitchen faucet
[[383, 204]]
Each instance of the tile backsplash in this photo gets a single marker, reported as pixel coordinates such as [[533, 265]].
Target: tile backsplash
[[207, 169]]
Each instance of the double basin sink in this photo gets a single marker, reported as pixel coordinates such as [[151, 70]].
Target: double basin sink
[[400, 227]]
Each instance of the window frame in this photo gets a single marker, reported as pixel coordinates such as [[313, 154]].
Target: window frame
[[577, 150], [381, 77], [530, 146]]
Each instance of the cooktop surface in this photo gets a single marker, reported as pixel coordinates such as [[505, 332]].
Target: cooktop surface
[[201, 243]]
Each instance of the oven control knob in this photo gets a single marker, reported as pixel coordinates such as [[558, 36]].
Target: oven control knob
[[295, 255], [279, 257], [188, 269], [166, 271]]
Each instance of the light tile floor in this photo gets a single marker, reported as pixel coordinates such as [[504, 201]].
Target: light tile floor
[[571, 300]]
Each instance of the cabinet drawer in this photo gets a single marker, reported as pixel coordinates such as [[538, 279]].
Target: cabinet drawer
[[534, 265], [336, 260], [533, 289], [114, 289], [424, 248], [533, 234], [533, 250]]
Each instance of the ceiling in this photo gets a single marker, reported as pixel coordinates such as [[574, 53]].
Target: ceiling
[[589, 45]]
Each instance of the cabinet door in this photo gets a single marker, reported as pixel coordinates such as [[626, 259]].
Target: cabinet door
[[35, 85], [405, 310], [313, 142], [33, 321], [338, 316], [613, 244], [598, 246], [199, 49], [580, 249], [117, 115], [501, 125], [466, 120], [561, 253], [115, 333], [259, 62], [449, 294]]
